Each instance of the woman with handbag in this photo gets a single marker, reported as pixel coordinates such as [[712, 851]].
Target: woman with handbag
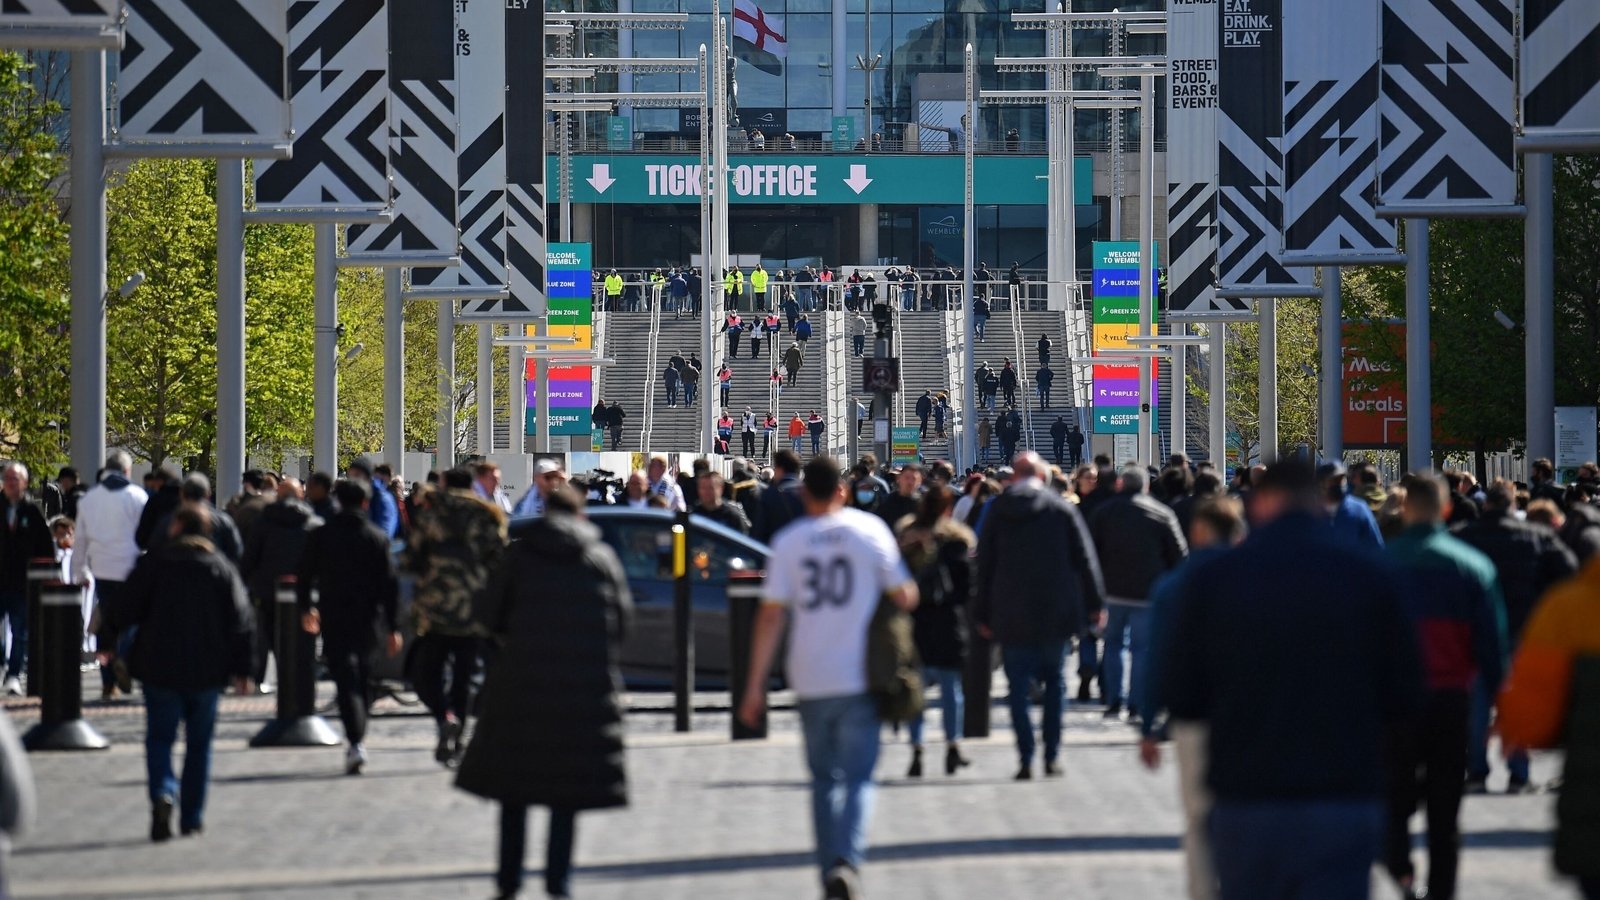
[[938, 551]]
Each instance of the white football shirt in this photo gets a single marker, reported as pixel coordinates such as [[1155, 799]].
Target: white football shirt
[[830, 572]]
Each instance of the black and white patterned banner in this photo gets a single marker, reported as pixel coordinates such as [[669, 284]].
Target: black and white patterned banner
[[1561, 75], [1250, 153], [1330, 134], [205, 72], [1192, 113], [525, 164], [338, 76], [86, 14], [480, 61], [1446, 101], [422, 140]]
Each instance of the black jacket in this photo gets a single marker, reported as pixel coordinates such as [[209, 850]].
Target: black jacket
[[28, 539], [154, 517], [1528, 557], [1581, 533], [941, 561], [895, 506], [193, 616], [347, 561], [275, 545], [1138, 539], [728, 514], [550, 728], [224, 534], [924, 406], [614, 416], [1058, 430], [780, 505], [1038, 575]]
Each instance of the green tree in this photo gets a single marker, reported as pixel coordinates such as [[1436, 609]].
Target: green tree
[[33, 256], [1297, 380]]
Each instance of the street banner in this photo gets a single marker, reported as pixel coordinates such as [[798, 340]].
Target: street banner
[[525, 162], [422, 139], [339, 83], [1192, 111], [1330, 133], [210, 74], [1114, 388], [1560, 75], [1447, 96], [480, 49], [1250, 148], [571, 314], [61, 24]]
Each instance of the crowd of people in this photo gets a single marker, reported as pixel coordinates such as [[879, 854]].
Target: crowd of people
[[1391, 631]]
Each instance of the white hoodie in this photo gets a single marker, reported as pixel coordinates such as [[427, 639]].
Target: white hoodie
[[107, 517]]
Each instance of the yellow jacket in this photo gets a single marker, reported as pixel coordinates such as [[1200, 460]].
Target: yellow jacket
[[613, 285]]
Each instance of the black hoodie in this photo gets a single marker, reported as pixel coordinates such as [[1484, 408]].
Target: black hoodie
[[1038, 575], [275, 545]]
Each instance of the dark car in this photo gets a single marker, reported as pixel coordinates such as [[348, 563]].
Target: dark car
[[643, 541]]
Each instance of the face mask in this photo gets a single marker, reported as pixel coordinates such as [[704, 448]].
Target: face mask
[[864, 497]]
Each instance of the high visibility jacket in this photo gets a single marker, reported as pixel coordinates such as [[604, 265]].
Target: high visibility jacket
[[613, 285], [758, 281]]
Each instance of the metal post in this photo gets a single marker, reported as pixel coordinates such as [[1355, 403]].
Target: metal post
[[61, 723], [1219, 396], [709, 181], [682, 628], [296, 723], [519, 395], [744, 600], [1419, 394], [394, 372], [969, 418], [1538, 187], [1147, 227], [325, 352], [484, 389], [1331, 418], [230, 327], [445, 454], [87, 219], [717, 260], [541, 398], [1267, 380], [1178, 418]]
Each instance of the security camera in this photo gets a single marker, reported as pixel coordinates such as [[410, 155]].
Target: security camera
[[131, 285], [1505, 321]]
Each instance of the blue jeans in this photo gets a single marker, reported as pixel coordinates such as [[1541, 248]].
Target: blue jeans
[[1127, 627], [1478, 740], [978, 324], [14, 607], [688, 393], [951, 704], [841, 735], [860, 342], [909, 299], [1024, 664], [1307, 850], [197, 710], [672, 394]]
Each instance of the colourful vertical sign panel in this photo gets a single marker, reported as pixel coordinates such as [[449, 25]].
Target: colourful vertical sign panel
[[570, 314], [1115, 388]]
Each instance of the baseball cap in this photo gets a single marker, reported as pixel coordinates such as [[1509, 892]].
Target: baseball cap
[[546, 466]]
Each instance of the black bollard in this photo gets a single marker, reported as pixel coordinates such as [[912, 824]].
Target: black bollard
[[682, 629], [297, 723], [977, 681], [744, 601], [41, 571], [61, 723]]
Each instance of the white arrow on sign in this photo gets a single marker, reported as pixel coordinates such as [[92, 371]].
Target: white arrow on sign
[[601, 179], [858, 179]]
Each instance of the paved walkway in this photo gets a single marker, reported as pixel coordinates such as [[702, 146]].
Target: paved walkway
[[709, 819]]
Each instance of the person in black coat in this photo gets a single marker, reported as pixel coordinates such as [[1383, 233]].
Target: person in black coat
[[938, 551], [194, 635], [347, 562], [24, 536], [550, 728], [272, 552], [162, 486]]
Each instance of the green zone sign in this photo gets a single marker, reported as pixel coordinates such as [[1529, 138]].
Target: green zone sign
[[784, 178]]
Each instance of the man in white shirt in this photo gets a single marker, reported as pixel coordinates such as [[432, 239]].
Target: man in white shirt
[[104, 548], [656, 471], [486, 485], [547, 476], [826, 574]]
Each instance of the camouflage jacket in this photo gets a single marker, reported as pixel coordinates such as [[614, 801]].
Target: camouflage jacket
[[455, 543]]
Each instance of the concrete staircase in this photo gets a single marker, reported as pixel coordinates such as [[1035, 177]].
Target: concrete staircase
[[627, 340], [1007, 331], [922, 368]]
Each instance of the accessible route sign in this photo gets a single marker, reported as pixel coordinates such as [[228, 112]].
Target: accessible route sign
[[1115, 388], [912, 178]]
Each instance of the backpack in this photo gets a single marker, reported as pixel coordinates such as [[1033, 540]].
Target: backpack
[[894, 670]]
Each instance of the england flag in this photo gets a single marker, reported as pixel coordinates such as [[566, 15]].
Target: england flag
[[759, 41]]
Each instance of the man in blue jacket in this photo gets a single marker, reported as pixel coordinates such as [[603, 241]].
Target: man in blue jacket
[[1352, 518], [382, 510], [1316, 632]]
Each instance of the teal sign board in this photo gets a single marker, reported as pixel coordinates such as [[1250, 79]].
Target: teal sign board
[[913, 179], [844, 132]]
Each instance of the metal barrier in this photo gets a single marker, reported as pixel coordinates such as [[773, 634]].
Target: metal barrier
[[41, 571], [61, 723], [744, 602], [297, 723]]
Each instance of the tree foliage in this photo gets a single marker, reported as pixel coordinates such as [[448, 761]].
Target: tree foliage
[[33, 265]]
